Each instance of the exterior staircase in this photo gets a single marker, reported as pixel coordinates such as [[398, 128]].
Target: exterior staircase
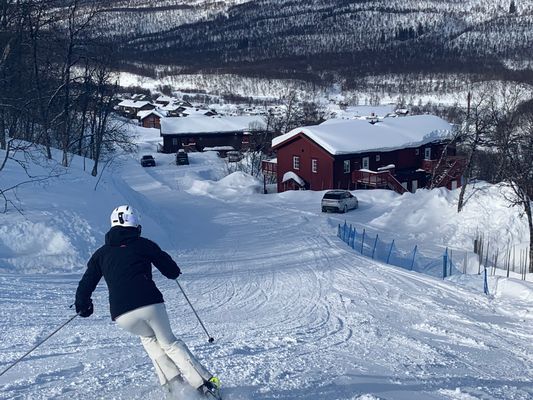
[[451, 168], [377, 180]]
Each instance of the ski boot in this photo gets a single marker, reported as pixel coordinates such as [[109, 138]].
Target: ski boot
[[211, 388]]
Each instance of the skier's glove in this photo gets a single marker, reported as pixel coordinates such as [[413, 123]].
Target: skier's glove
[[85, 310]]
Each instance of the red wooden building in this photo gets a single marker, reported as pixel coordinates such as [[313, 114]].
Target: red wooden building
[[401, 154], [150, 118]]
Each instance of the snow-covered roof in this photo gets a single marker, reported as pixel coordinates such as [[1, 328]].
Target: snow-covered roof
[[219, 148], [357, 136], [287, 176], [164, 98], [171, 106], [360, 111], [145, 113], [215, 124], [192, 111], [133, 103]]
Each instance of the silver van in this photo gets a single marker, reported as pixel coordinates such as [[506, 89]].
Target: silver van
[[339, 200]]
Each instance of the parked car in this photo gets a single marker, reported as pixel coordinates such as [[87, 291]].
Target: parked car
[[234, 156], [148, 161], [339, 200], [182, 158]]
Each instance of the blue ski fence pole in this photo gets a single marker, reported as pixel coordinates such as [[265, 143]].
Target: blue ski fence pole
[[485, 283], [375, 244], [444, 263], [390, 251], [414, 254]]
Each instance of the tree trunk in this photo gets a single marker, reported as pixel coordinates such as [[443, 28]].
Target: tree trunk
[[466, 176], [527, 207]]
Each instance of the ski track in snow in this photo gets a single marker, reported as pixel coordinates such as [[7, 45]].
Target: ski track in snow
[[295, 313]]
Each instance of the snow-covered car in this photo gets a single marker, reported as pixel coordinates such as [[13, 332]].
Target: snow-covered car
[[148, 161], [339, 200]]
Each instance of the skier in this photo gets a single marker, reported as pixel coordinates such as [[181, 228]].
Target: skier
[[125, 261]]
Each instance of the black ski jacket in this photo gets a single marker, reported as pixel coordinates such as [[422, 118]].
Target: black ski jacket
[[125, 262]]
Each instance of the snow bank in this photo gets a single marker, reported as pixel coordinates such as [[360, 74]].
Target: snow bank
[[431, 215], [35, 247], [235, 184], [508, 287]]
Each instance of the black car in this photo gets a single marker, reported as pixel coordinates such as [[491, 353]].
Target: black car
[[182, 158], [148, 161]]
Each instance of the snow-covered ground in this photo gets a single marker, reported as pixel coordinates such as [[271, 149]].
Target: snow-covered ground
[[296, 313]]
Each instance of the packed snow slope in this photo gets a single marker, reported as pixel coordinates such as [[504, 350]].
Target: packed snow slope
[[295, 313]]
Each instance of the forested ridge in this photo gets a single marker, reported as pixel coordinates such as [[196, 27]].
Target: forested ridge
[[282, 38]]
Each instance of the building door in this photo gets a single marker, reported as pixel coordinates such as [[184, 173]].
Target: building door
[[414, 185]]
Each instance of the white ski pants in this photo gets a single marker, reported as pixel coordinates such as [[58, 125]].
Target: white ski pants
[[170, 356]]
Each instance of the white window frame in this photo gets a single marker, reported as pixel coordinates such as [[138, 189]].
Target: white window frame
[[346, 166], [366, 162], [427, 153], [378, 157], [314, 165], [296, 162]]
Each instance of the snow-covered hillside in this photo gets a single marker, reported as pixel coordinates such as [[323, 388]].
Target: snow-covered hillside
[[296, 313]]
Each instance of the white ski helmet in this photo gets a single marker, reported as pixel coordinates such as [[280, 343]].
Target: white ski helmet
[[125, 216]]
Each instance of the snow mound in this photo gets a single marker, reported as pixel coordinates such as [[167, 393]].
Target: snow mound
[[415, 213], [432, 215], [235, 184], [520, 290], [35, 247]]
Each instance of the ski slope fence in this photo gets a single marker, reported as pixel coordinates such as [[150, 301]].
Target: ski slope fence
[[387, 252]]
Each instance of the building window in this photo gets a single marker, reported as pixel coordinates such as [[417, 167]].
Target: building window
[[427, 153], [296, 162], [366, 162], [346, 166], [174, 141], [417, 152], [378, 157], [314, 165]]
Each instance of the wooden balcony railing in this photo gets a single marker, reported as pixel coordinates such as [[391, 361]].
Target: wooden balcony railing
[[380, 179]]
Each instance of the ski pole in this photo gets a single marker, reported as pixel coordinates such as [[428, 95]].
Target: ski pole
[[211, 340], [37, 345]]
